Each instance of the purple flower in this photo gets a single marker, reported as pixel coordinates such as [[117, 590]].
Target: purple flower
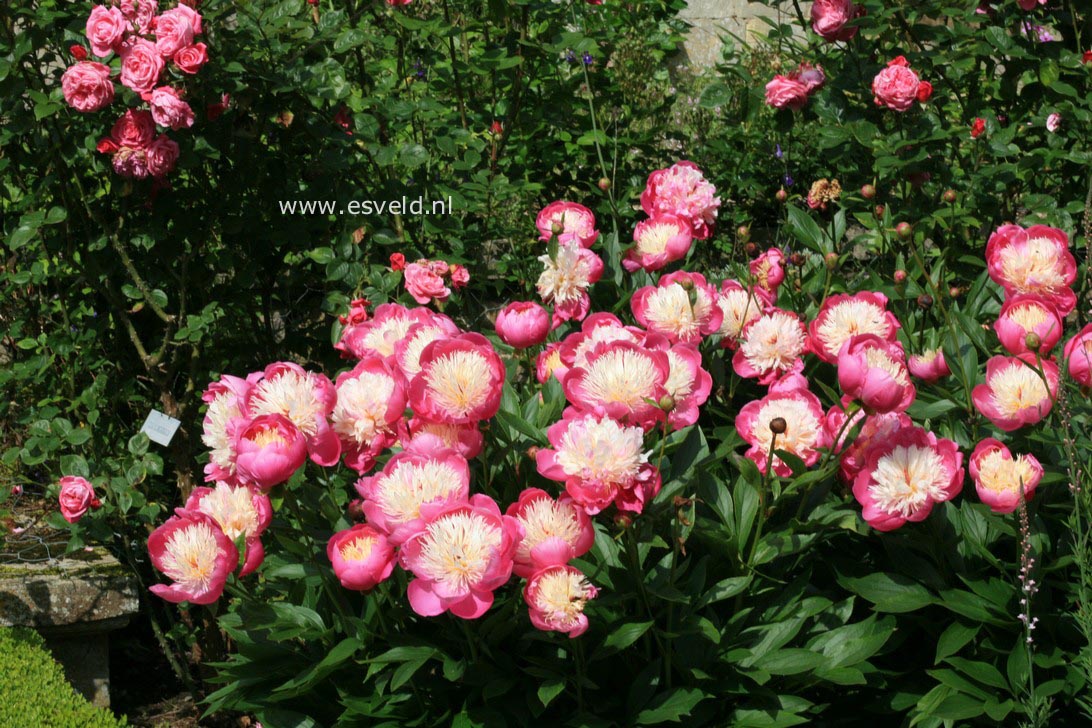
[[587, 58], [788, 180], [778, 154]]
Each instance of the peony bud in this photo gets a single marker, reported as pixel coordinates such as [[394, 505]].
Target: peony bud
[[955, 291], [778, 425], [879, 211], [925, 301], [744, 233], [604, 183], [831, 259], [1032, 341], [950, 196], [667, 403], [900, 276], [904, 230], [868, 192], [751, 249], [782, 195]]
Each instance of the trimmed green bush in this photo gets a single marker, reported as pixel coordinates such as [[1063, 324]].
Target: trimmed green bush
[[34, 691]]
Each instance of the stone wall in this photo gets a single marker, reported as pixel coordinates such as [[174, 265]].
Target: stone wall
[[712, 19]]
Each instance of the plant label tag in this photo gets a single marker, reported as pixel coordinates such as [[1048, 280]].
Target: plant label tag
[[160, 428]]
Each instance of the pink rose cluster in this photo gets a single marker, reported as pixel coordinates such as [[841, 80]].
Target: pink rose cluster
[[897, 86], [147, 43], [428, 280], [793, 91], [830, 19]]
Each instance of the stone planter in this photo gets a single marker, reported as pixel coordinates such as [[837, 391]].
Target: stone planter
[[74, 602]]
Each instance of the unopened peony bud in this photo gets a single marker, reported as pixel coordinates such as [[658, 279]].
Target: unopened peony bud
[[879, 211], [831, 259], [955, 291], [623, 520], [781, 195], [667, 403], [16, 490], [950, 196], [744, 233], [778, 425], [604, 183], [900, 276], [925, 301], [557, 228], [868, 192], [751, 249], [904, 230], [1032, 341]]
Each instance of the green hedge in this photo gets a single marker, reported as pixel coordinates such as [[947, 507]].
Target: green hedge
[[34, 691]]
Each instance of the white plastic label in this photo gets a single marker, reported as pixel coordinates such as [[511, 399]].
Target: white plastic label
[[160, 428]]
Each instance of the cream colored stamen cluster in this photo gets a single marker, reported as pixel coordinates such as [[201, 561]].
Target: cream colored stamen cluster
[[850, 318], [601, 450], [1017, 387], [403, 491], [624, 376], [457, 550], [361, 410], [774, 342], [907, 478], [190, 557], [293, 395], [460, 382]]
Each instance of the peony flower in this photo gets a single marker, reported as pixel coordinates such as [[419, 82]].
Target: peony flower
[[681, 307], [625, 380], [76, 497], [873, 372], [767, 272], [905, 475], [658, 241], [1014, 394], [390, 323], [361, 556], [599, 328], [929, 366], [770, 346], [556, 598], [1028, 314], [427, 472], [168, 108], [464, 439], [600, 461], [87, 86], [682, 190], [876, 428], [1078, 355], [823, 193], [549, 364], [829, 19], [174, 31], [565, 281], [305, 398], [371, 400], [789, 402], [239, 511], [739, 307], [141, 65], [105, 29], [1036, 260], [269, 450], [463, 554], [843, 316], [161, 156], [522, 324], [785, 92], [554, 531], [424, 284], [688, 385], [223, 418], [576, 222], [999, 477], [896, 86], [408, 349], [460, 381], [190, 59], [195, 554]]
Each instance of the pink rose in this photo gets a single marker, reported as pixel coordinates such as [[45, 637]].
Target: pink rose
[[87, 86], [134, 129], [168, 109], [140, 65], [76, 497], [191, 58], [1053, 122], [105, 29], [140, 12], [424, 284], [896, 86], [131, 163], [829, 17], [173, 31], [811, 76], [162, 155], [784, 92], [460, 276]]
